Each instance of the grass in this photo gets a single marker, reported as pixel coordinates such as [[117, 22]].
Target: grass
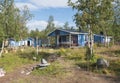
[[11, 61], [55, 69], [72, 54], [115, 67]]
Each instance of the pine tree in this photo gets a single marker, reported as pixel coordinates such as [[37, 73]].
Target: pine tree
[[50, 26], [66, 26]]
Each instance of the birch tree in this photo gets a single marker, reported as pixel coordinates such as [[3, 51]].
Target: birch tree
[[90, 15]]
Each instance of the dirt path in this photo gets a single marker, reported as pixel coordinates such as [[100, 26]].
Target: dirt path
[[76, 75], [17, 73]]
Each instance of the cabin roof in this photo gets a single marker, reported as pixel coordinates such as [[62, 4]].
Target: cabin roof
[[65, 31]]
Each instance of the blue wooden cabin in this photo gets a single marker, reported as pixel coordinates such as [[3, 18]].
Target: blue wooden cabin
[[74, 38], [69, 37]]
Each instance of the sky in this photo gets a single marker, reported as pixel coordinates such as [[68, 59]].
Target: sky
[[42, 9]]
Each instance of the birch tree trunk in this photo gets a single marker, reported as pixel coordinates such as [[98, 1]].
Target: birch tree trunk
[[91, 44], [2, 48]]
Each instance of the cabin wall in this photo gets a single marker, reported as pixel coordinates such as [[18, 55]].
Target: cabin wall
[[38, 42], [74, 40], [81, 40], [12, 43], [98, 39]]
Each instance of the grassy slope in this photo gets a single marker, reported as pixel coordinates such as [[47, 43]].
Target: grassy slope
[[72, 57]]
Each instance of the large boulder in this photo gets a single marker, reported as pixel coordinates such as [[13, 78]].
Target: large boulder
[[102, 63]]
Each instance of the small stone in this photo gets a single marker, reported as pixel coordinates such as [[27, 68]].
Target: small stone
[[22, 72], [78, 68], [2, 72], [28, 73]]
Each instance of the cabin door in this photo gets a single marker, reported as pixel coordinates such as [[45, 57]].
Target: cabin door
[[28, 43]]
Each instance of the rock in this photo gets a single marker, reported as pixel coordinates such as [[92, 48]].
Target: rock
[[35, 58], [78, 67], [28, 72], [2, 72], [22, 72], [102, 63], [44, 63]]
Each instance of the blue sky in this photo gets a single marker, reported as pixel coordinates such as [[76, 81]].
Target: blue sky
[[42, 9]]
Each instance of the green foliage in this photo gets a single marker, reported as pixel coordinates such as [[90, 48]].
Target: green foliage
[[116, 32], [66, 26], [12, 20], [35, 33]]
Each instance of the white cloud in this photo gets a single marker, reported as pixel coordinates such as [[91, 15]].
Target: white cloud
[[41, 24], [50, 3], [32, 25], [29, 5], [57, 23], [38, 4]]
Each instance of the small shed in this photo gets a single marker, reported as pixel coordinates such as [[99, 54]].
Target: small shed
[[29, 42], [69, 37], [102, 39], [11, 42], [98, 38]]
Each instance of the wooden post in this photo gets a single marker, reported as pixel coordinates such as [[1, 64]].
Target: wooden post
[[2, 48], [37, 44], [57, 41], [48, 41], [70, 40]]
